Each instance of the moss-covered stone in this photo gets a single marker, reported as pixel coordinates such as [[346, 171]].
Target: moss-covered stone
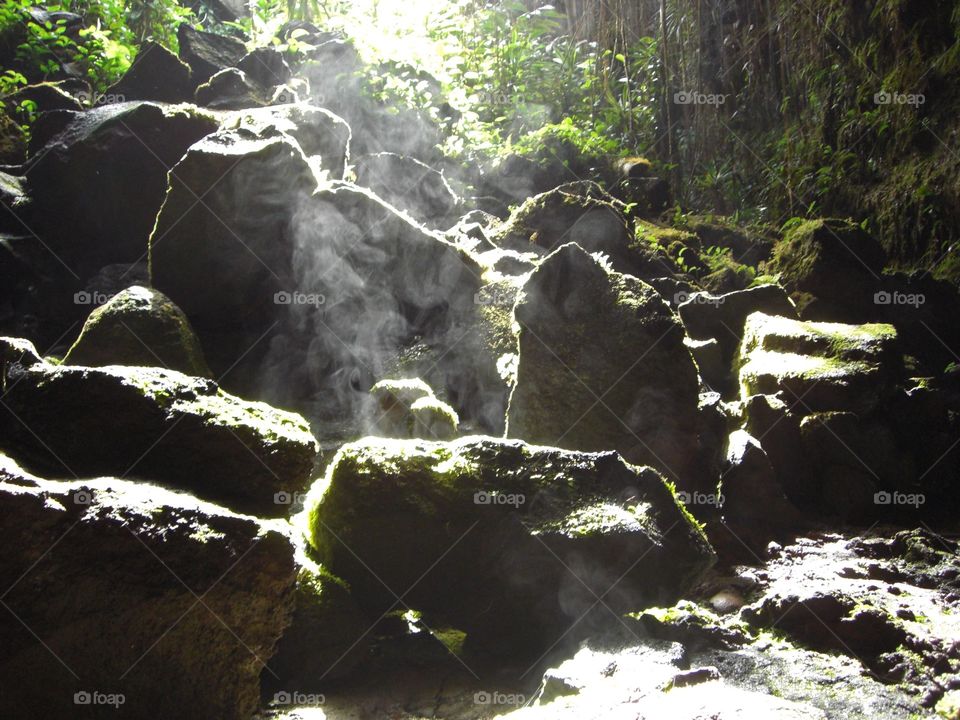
[[139, 326], [159, 425], [482, 528], [407, 408]]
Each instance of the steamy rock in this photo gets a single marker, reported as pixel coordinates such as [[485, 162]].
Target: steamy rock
[[722, 317], [230, 89], [139, 326], [98, 157], [208, 53], [579, 213], [156, 424], [818, 366], [409, 185], [322, 136], [508, 542], [155, 74], [250, 184], [327, 637], [170, 602], [407, 408], [831, 268], [603, 366]]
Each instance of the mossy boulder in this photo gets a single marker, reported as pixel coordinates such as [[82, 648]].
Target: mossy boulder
[[508, 542], [139, 326], [818, 366], [603, 366], [156, 425], [328, 635], [407, 408], [168, 601], [831, 268]]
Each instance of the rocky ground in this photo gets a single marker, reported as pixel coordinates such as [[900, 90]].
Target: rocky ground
[[294, 424]]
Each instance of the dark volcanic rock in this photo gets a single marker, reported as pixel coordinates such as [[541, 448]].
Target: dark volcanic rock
[[231, 89], [208, 53], [99, 182], [133, 601], [511, 543], [603, 366], [155, 74], [156, 424], [410, 185]]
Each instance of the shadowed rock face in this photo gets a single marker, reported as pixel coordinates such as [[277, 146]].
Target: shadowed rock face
[[512, 543], [603, 366], [118, 588], [157, 425]]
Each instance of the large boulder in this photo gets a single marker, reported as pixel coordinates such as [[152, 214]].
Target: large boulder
[[155, 74], [410, 185], [831, 268], [407, 408], [156, 424], [231, 89], [323, 136], [265, 66], [98, 183], [511, 543], [819, 366], [133, 601], [139, 326], [603, 366], [208, 53]]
